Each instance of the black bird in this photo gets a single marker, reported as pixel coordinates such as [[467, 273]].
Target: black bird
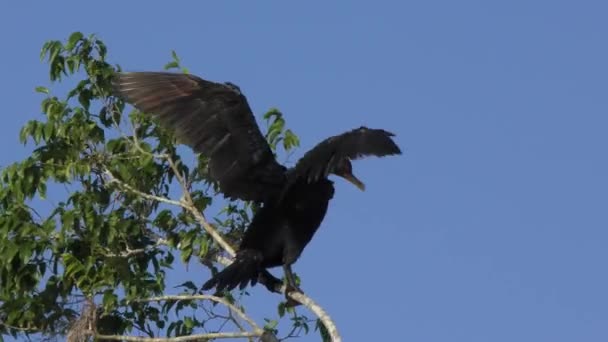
[[214, 119]]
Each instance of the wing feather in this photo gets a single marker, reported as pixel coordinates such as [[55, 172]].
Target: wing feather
[[357, 143], [215, 120]]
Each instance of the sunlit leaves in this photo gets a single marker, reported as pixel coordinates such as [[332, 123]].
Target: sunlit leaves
[[73, 40], [77, 245], [175, 63], [277, 133], [42, 90]]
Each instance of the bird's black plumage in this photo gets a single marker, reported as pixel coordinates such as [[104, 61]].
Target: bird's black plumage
[[215, 120]]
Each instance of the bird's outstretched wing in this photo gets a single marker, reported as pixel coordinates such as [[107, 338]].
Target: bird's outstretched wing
[[214, 119], [357, 143]]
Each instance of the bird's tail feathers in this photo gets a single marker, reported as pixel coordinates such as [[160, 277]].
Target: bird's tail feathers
[[245, 268]]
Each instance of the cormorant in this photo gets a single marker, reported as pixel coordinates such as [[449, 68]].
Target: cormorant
[[215, 120]]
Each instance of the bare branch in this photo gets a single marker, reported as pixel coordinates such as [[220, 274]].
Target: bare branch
[[130, 252], [133, 137], [195, 337], [24, 329], [319, 312], [188, 203], [208, 228], [113, 179], [216, 299], [237, 323]]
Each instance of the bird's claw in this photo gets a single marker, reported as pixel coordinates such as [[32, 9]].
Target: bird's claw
[[271, 283], [290, 303]]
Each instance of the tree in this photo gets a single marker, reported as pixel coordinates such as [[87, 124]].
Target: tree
[[93, 263]]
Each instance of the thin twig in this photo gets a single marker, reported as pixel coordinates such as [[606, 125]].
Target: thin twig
[[24, 329], [188, 203], [237, 323], [195, 337], [216, 299], [113, 179], [130, 252]]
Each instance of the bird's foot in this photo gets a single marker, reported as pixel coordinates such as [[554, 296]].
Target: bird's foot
[[290, 302], [272, 283]]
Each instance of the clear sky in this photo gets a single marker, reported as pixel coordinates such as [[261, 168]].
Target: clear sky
[[493, 225]]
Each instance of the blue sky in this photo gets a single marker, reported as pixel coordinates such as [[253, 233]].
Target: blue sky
[[493, 224]]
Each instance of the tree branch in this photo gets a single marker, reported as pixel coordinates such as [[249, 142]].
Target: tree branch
[[302, 298], [195, 337], [185, 203], [216, 299], [319, 312], [188, 204], [113, 179], [257, 331], [130, 252]]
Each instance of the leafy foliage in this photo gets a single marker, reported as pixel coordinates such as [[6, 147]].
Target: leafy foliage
[[98, 245]]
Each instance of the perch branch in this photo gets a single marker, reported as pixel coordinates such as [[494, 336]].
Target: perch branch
[[302, 298]]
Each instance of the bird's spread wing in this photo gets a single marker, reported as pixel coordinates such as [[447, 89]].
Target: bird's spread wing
[[358, 143], [215, 120]]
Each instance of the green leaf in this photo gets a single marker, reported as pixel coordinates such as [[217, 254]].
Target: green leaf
[[186, 254], [85, 99], [325, 337], [54, 50], [74, 38], [188, 323], [271, 324], [110, 300], [23, 134], [101, 48], [281, 309], [43, 90], [10, 251], [42, 190], [188, 285], [171, 65], [49, 128], [290, 141], [171, 327], [44, 50], [72, 265]]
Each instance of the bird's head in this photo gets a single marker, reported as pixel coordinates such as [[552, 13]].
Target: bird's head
[[344, 169]]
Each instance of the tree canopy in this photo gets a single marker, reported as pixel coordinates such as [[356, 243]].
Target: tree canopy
[[94, 219]]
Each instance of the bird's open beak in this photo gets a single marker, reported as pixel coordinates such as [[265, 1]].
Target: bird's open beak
[[351, 178]]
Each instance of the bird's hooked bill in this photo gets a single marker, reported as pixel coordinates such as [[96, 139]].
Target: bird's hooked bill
[[351, 178]]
